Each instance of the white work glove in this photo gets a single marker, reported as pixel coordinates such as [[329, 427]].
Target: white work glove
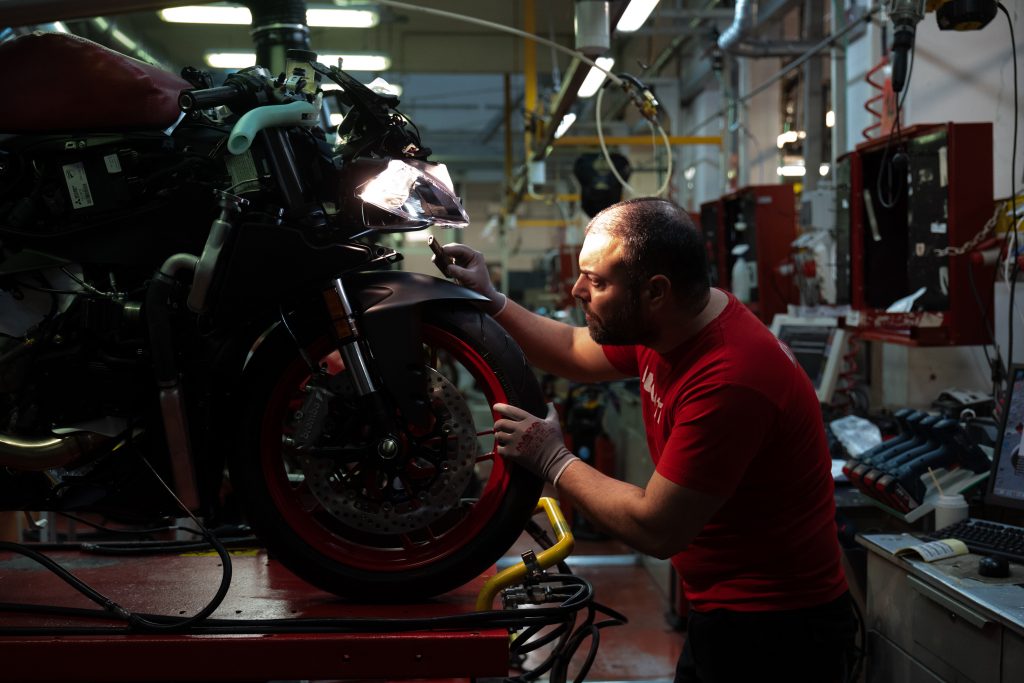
[[469, 269], [534, 443]]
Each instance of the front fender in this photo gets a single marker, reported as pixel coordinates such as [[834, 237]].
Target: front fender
[[389, 306], [375, 292]]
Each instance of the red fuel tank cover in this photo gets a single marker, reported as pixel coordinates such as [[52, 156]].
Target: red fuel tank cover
[[62, 82]]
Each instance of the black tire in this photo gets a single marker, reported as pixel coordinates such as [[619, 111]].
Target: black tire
[[311, 513]]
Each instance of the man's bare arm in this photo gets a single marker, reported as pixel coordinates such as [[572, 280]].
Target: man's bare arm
[[659, 520], [556, 347]]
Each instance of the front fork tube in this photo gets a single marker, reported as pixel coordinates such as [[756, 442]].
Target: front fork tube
[[346, 334], [347, 339], [397, 335]]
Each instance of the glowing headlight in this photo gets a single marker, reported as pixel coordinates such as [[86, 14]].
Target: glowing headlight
[[416, 191]]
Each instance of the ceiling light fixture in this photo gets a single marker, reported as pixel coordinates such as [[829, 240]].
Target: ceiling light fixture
[[791, 171], [595, 78], [788, 137], [635, 15], [229, 14], [342, 18], [206, 14], [350, 62], [123, 39]]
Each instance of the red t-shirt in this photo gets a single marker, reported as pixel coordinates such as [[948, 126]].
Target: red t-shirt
[[731, 413]]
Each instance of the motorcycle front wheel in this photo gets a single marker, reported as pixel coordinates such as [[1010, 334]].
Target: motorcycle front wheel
[[360, 530]]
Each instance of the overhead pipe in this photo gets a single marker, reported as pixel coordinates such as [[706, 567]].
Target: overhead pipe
[[827, 42], [742, 22]]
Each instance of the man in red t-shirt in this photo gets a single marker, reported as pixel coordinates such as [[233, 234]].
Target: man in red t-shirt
[[742, 494]]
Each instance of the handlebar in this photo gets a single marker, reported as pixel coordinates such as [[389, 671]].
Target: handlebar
[[208, 98]]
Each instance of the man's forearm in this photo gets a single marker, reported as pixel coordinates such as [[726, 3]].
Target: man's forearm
[[617, 507], [556, 347]]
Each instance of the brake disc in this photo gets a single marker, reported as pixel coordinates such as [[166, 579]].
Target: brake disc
[[438, 469]]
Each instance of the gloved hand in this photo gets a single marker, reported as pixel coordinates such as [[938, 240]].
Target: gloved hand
[[470, 270], [534, 443]]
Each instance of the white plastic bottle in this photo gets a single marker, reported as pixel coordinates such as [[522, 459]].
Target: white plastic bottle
[[741, 281]]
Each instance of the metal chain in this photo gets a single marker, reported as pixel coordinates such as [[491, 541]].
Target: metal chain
[[974, 241]]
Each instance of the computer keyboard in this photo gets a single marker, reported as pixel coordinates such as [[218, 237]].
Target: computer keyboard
[[987, 538]]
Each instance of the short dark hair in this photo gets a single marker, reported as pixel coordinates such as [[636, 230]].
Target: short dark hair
[[659, 238]]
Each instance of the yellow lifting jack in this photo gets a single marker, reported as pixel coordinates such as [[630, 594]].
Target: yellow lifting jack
[[532, 564]]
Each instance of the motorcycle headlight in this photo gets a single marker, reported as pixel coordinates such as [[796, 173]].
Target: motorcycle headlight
[[418, 192]]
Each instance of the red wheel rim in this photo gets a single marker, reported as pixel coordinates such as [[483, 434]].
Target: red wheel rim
[[325, 533]]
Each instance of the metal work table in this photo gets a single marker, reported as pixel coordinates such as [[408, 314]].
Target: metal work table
[[940, 621], [260, 589]]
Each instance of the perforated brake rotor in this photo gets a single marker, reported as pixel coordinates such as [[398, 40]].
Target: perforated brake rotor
[[440, 465]]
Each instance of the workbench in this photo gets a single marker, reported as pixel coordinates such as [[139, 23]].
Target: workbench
[[940, 621], [181, 584]]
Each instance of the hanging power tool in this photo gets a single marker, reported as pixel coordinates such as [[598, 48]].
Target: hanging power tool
[[950, 15]]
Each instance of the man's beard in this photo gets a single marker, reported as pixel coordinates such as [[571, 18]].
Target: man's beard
[[622, 327]]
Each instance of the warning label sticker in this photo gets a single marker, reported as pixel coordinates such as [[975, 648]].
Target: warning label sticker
[[78, 185]]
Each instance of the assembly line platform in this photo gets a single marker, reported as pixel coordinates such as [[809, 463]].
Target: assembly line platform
[[56, 647]]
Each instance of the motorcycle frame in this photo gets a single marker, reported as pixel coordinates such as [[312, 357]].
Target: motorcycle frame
[[373, 314]]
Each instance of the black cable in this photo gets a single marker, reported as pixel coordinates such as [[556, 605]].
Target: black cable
[[161, 547], [860, 650], [894, 130], [988, 324], [473, 620], [109, 530], [225, 581], [1013, 192]]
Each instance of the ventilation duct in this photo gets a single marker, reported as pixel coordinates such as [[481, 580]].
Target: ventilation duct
[[734, 38], [278, 26]]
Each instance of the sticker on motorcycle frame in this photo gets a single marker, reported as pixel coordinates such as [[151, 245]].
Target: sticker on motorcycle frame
[[78, 185]]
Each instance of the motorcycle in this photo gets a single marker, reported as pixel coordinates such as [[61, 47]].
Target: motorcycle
[[193, 282]]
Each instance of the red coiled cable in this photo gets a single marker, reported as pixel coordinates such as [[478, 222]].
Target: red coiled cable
[[877, 113]]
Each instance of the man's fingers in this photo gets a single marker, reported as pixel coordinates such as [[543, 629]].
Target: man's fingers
[[460, 252], [510, 412]]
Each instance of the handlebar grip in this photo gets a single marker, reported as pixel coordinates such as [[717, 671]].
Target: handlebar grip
[[208, 98]]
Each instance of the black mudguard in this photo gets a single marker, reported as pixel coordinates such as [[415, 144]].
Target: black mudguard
[[389, 305]]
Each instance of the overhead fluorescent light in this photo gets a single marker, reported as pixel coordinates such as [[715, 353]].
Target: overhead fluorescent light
[[206, 14], [123, 39], [356, 62], [230, 60], [635, 15], [788, 137], [230, 14], [595, 78], [342, 18], [565, 124], [791, 171]]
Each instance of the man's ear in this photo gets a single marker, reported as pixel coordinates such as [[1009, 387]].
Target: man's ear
[[658, 290]]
